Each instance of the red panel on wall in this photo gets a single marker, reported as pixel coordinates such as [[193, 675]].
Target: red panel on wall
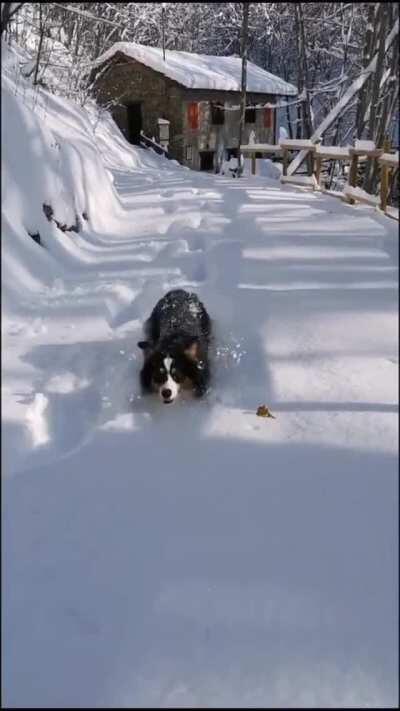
[[268, 118], [193, 115]]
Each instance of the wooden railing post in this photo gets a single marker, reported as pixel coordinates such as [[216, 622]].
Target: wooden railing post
[[253, 163], [285, 160], [318, 164], [385, 170], [310, 163], [353, 174]]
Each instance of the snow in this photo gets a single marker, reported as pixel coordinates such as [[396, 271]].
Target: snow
[[359, 194], [283, 134], [364, 145], [392, 212], [391, 158], [259, 147], [296, 143], [199, 556], [201, 71], [333, 151], [306, 180]]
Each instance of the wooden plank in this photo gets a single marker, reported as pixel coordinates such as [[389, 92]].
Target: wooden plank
[[294, 144], [261, 148], [369, 154], [344, 101], [332, 153]]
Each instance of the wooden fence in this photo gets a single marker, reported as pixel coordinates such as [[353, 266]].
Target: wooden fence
[[388, 164]]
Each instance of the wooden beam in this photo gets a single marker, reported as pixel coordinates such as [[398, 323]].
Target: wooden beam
[[353, 175], [285, 160], [318, 164]]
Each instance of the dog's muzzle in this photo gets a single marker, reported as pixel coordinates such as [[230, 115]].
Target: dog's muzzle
[[166, 395]]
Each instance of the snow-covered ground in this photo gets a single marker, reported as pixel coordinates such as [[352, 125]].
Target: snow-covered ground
[[195, 555]]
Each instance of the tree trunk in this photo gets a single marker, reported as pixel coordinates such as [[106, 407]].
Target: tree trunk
[[41, 37], [243, 51], [303, 72], [369, 45], [8, 11], [372, 127]]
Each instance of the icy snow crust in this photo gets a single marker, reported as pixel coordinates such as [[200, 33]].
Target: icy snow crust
[[202, 71], [197, 555]]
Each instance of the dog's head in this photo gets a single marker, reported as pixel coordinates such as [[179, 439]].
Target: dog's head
[[168, 370]]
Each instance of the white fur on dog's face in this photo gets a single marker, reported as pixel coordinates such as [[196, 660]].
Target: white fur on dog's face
[[170, 384]]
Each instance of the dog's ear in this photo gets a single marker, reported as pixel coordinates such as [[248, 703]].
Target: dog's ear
[[191, 349]]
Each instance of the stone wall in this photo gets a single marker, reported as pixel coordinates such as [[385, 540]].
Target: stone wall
[[221, 138], [126, 81]]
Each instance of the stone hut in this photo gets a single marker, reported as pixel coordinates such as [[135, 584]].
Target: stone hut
[[189, 103]]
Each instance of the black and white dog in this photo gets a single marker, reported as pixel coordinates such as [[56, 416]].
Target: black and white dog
[[176, 350]]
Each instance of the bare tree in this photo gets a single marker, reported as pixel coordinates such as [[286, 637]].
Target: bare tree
[[303, 73], [8, 12], [373, 102]]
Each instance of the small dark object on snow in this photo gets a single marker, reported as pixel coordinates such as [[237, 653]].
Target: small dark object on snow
[[76, 227], [85, 216], [262, 411], [35, 236], [48, 211]]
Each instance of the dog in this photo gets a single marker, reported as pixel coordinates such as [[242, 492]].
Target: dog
[[176, 348]]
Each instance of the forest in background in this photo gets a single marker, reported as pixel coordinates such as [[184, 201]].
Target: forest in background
[[320, 47]]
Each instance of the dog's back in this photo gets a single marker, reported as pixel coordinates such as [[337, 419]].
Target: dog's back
[[178, 312]]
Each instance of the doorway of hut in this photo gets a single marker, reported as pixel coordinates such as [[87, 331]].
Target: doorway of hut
[[206, 160], [134, 116]]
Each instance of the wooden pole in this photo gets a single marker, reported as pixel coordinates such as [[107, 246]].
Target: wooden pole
[[253, 163], [310, 163], [285, 160], [318, 164], [385, 170], [353, 175], [243, 48]]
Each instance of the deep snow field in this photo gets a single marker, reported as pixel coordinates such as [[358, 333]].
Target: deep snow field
[[195, 555]]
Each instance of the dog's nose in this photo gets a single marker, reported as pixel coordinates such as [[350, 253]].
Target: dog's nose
[[166, 393]]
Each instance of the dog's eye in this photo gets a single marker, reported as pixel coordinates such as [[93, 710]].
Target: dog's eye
[[177, 375], [159, 376]]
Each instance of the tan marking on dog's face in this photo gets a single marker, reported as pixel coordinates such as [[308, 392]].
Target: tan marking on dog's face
[[187, 384], [193, 351]]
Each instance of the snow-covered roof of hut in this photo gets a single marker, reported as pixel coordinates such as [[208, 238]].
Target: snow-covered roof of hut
[[202, 71]]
